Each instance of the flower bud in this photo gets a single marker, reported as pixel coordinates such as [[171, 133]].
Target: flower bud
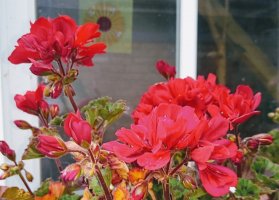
[[78, 129], [140, 191], [56, 90], [5, 175], [5, 167], [28, 176], [20, 164], [165, 69], [6, 151], [264, 138], [71, 172], [44, 108], [54, 110], [22, 124], [51, 146], [189, 182], [252, 144]]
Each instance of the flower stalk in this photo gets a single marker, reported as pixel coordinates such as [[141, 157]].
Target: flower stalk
[[23, 180]]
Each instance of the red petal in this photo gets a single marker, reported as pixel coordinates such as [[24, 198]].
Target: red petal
[[153, 161]]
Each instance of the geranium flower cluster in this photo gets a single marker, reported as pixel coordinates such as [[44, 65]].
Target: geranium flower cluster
[[184, 129], [190, 115]]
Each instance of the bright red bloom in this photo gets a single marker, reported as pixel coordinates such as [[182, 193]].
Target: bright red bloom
[[71, 172], [78, 129], [168, 127], [6, 151], [165, 69], [51, 146], [237, 107], [198, 94], [215, 178], [30, 102], [50, 39]]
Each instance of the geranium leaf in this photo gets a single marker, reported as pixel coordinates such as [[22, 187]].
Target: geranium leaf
[[246, 189], [43, 189], [70, 197]]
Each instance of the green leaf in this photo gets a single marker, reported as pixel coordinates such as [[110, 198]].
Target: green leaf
[[177, 189], [70, 197], [266, 172], [57, 121], [15, 193], [43, 189], [31, 152], [246, 189], [103, 111], [96, 186]]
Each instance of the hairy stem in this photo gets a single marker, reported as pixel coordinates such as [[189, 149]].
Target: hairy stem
[[24, 181], [100, 177], [166, 189], [60, 67], [71, 98]]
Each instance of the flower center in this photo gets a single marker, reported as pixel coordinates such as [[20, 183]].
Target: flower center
[[105, 23]]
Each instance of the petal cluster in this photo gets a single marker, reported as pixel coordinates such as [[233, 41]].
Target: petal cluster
[[58, 38], [150, 142]]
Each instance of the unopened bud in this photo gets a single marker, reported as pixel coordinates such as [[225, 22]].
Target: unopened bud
[[277, 110], [56, 90], [5, 175], [28, 176], [189, 183], [71, 76], [5, 167], [264, 138], [20, 165], [22, 124], [232, 137], [271, 114], [47, 91], [44, 108], [54, 110], [253, 144]]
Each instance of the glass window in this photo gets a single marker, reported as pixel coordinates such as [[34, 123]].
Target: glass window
[[138, 33], [238, 40]]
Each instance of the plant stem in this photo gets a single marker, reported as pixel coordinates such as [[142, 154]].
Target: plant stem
[[238, 165], [71, 98], [166, 189], [184, 161], [61, 67], [24, 181], [100, 177]]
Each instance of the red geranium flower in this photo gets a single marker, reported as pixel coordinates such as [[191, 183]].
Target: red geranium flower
[[237, 107], [30, 102], [59, 38], [167, 127], [215, 178], [184, 92]]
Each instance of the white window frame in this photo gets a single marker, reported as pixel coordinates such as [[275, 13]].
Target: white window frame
[[15, 16]]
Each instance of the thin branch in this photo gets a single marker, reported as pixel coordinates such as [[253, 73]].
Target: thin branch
[[24, 181]]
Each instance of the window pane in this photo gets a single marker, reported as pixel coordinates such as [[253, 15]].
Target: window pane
[[238, 40], [138, 33]]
